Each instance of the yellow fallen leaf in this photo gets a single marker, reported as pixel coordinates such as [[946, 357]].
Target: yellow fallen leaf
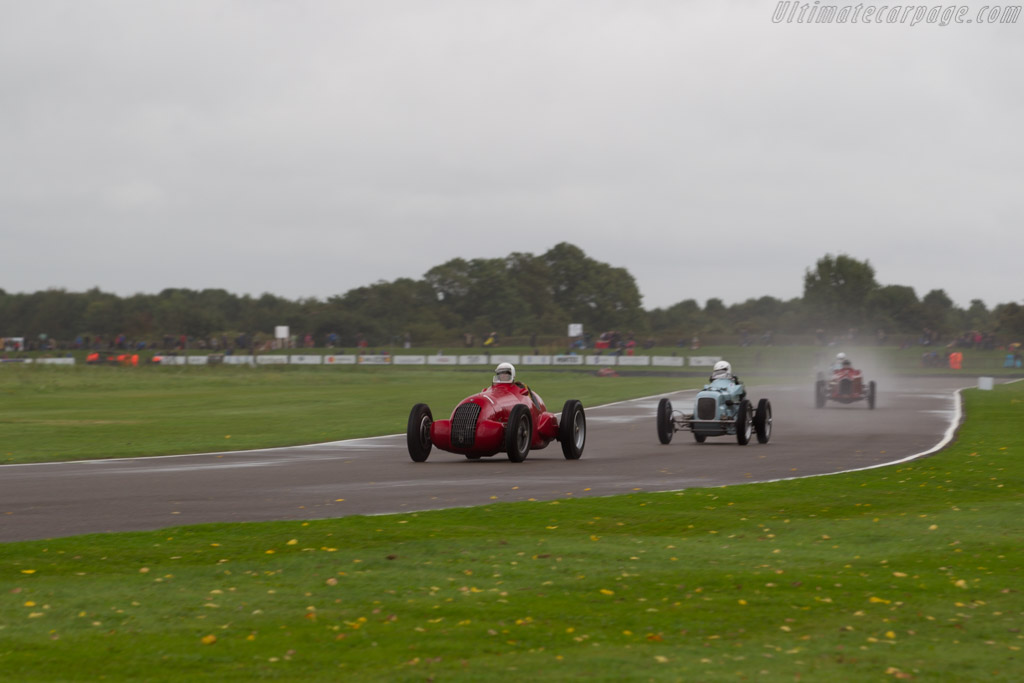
[[209, 639], [605, 591]]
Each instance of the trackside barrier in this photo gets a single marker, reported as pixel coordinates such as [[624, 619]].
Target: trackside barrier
[[409, 360], [437, 360], [380, 359]]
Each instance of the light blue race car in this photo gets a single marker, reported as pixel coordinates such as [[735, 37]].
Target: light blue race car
[[720, 409]]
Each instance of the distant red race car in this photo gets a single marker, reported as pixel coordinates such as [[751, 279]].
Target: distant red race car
[[845, 385], [506, 417]]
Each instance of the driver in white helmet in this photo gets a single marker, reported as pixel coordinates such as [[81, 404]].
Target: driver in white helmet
[[842, 361], [505, 373], [722, 370]]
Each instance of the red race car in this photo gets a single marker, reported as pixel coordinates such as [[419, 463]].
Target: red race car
[[846, 385], [506, 417]]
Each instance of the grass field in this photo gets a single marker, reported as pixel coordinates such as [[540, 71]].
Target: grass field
[[910, 572], [69, 413]]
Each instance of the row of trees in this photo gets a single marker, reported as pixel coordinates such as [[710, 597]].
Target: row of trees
[[519, 295]]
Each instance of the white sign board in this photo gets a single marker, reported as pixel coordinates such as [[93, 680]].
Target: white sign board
[[442, 360], [375, 359], [281, 332], [346, 359], [704, 361], [305, 360], [567, 359], [575, 329], [409, 360]]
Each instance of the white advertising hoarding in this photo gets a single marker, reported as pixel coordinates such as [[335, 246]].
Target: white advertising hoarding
[[409, 360]]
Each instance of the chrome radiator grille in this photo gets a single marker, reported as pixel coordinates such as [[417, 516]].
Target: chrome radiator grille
[[464, 425]]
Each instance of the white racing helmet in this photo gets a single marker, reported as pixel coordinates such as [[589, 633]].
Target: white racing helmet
[[840, 356], [505, 373], [722, 370]]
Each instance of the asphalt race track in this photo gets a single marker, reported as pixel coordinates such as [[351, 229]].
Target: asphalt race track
[[376, 476]]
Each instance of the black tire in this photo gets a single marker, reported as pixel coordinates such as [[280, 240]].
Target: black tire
[[572, 429], [744, 423], [763, 421], [418, 432], [518, 433], [700, 438], [665, 426], [819, 394], [871, 395]]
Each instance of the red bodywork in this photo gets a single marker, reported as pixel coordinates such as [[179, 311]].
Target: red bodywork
[[494, 404], [846, 386]]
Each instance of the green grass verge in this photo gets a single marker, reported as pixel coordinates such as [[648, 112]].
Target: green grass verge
[[72, 413], [909, 572]]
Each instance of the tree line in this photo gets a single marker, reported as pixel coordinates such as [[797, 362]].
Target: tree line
[[519, 296]]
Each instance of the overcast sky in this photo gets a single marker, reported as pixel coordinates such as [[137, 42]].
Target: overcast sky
[[307, 147]]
